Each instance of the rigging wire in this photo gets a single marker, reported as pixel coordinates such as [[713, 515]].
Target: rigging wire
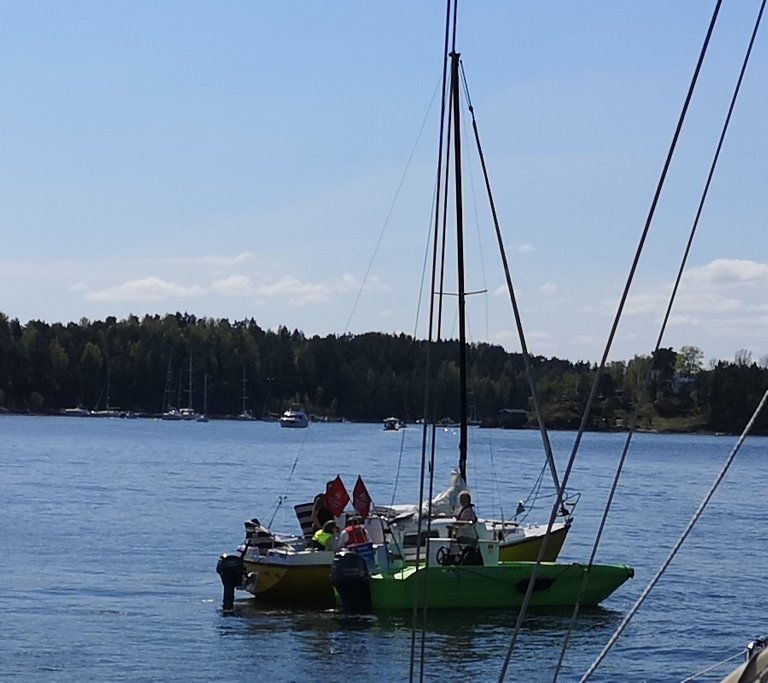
[[397, 471], [614, 326], [390, 211], [441, 234], [284, 497], [647, 379], [480, 253], [752, 650], [429, 361], [558, 507], [511, 290], [689, 527]]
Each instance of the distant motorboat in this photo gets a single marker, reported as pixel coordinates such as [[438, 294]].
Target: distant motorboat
[[294, 418], [393, 424], [179, 414], [107, 412], [77, 412]]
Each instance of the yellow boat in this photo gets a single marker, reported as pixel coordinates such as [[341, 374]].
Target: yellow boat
[[289, 576]]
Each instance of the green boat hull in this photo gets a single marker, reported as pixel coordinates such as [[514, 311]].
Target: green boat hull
[[498, 586]]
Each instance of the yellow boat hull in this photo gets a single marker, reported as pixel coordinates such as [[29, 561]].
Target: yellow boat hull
[[296, 579], [527, 550]]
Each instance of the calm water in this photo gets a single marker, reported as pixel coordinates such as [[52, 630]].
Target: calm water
[[111, 530]]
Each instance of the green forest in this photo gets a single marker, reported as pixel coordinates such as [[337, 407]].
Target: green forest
[[143, 365]]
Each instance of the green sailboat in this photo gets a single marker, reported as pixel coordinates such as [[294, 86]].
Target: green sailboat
[[461, 567], [498, 586]]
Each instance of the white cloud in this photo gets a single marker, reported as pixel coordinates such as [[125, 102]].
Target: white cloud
[[725, 272], [148, 289], [291, 290], [235, 285], [719, 287], [294, 292], [525, 248], [548, 288], [349, 283], [236, 260]]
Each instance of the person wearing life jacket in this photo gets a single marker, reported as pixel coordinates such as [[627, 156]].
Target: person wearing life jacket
[[465, 532], [354, 534], [325, 538], [466, 512]]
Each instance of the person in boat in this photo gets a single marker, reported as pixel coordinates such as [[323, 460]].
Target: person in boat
[[465, 532], [354, 534], [320, 513], [325, 538], [466, 512]]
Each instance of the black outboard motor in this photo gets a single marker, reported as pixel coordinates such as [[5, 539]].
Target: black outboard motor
[[230, 570], [350, 578]]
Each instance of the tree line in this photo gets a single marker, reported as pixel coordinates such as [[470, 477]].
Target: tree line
[[143, 365]]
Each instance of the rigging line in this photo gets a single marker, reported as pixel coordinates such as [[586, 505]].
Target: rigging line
[[513, 298], [480, 253], [288, 479], [452, 122], [397, 471], [534, 492], [647, 379], [424, 263], [619, 311], [560, 488], [699, 674], [700, 510], [432, 219], [391, 210], [429, 360]]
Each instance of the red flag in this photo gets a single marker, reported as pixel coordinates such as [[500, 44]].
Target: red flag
[[336, 496], [361, 501]]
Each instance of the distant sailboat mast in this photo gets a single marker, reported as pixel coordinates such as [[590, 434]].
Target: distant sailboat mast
[[189, 388], [245, 381]]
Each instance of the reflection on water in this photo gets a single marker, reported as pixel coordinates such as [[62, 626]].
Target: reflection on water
[[470, 640]]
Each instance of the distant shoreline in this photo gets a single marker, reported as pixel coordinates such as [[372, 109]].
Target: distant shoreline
[[234, 418]]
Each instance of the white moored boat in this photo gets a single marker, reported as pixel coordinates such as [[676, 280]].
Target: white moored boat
[[295, 417]]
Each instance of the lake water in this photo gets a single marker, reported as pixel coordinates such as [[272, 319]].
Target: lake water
[[111, 530]]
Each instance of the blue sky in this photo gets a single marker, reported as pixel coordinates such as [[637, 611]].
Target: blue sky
[[243, 160]]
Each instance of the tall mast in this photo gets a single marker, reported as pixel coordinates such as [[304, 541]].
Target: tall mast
[[245, 381], [456, 113], [189, 390]]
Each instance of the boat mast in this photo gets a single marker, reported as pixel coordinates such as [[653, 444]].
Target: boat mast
[[189, 390], [456, 109], [245, 381]]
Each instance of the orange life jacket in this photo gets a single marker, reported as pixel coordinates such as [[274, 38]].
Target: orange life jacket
[[356, 534]]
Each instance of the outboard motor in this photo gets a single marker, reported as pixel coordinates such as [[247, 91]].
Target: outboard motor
[[350, 578], [230, 570]]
